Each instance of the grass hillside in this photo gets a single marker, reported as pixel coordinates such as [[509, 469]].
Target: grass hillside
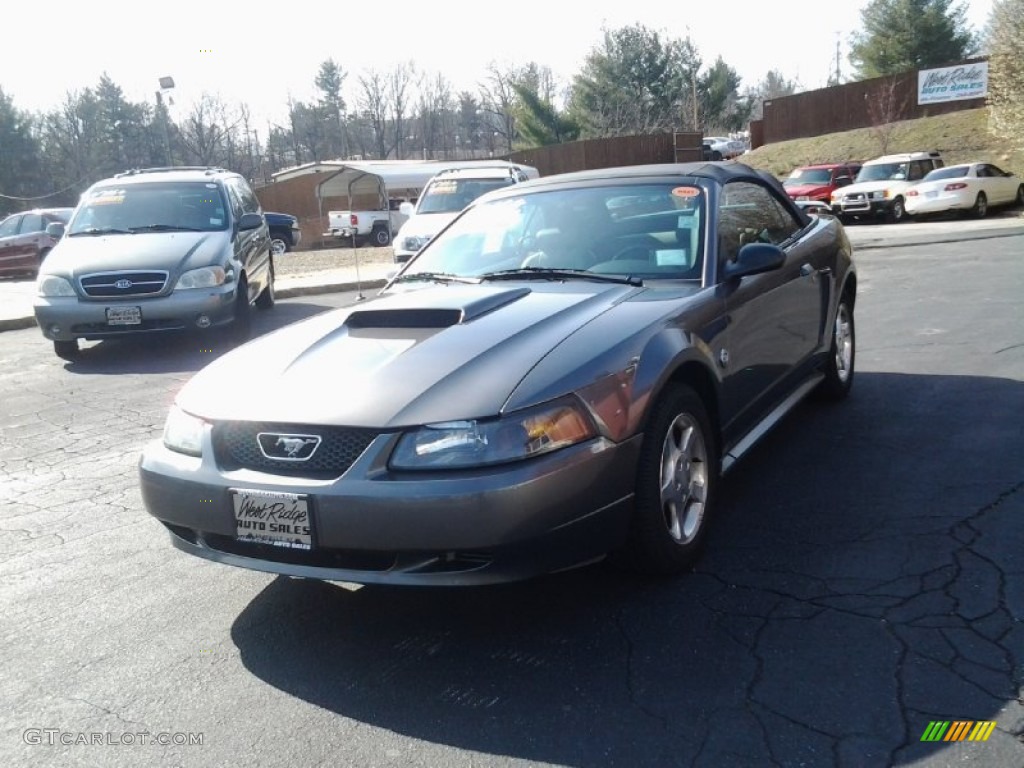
[[960, 136]]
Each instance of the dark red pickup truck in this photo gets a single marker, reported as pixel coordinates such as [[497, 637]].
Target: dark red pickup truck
[[817, 182]]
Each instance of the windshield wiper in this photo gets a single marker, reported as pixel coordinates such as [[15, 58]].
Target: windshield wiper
[[550, 273], [102, 231], [165, 228], [437, 277]]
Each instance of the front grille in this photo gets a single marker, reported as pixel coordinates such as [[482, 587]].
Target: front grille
[[235, 447], [123, 284]]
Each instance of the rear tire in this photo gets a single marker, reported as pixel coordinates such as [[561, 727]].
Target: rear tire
[[676, 483], [980, 208], [279, 244], [842, 354], [1020, 196], [67, 350], [380, 237]]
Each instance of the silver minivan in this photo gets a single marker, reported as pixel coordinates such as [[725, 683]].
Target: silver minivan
[[157, 249]]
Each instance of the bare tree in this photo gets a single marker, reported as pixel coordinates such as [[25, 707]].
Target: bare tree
[[885, 107], [402, 82], [205, 131], [374, 103], [498, 101]]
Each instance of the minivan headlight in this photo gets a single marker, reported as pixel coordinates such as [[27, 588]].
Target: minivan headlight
[[49, 286], [204, 277], [473, 443], [183, 432]]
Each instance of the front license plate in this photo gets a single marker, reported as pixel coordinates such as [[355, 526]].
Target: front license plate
[[265, 517], [124, 315]]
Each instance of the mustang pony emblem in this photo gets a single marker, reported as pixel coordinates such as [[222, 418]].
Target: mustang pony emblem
[[287, 447]]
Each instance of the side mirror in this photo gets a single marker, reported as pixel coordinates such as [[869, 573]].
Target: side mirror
[[753, 259], [406, 208], [250, 221], [55, 229]]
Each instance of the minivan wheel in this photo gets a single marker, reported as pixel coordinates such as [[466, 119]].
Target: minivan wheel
[[241, 326], [66, 350], [266, 298], [677, 477]]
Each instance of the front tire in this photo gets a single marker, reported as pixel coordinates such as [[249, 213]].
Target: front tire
[[66, 350], [898, 212], [842, 355], [266, 299], [241, 326], [279, 245], [677, 478]]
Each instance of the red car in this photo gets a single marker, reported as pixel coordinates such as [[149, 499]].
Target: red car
[[817, 182], [24, 242]]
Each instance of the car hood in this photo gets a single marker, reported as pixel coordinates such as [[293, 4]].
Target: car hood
[[173, 251], [809, 190], [435, 354], [426, 224]]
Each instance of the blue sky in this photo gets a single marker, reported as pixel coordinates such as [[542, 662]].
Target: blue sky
[[262, 57]]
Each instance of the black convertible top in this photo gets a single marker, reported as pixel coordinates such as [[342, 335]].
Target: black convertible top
[[721, 172]]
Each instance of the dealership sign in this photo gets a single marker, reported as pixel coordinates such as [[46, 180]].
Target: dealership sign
[[966, 81]]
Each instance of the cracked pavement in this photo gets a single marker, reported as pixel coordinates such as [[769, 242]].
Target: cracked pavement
[[864, 577]]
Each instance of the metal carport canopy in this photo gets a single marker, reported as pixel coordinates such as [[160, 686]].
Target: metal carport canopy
[[378, 176]]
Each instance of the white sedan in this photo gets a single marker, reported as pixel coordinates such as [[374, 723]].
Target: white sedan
[[974, 187]]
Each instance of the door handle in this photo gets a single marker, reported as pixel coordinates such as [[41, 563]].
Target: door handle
[[806, 269]]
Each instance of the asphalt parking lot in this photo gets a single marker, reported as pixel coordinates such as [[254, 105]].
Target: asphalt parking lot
[[864, 579]]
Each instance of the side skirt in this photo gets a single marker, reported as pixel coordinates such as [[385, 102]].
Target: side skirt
[[762, 427]]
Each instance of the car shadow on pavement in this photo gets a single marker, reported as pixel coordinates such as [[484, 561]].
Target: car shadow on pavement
[[185, 351], [854, 589]]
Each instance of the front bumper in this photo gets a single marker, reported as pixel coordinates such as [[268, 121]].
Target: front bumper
[[67, 318], [862, 207], [371, 525]]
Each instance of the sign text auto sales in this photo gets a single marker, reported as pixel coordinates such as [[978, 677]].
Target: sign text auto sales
[[967, 81]]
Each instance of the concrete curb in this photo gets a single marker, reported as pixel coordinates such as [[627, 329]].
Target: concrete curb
[[868, 245]]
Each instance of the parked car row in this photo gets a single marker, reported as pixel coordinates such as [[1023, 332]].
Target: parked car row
[[894, 187]]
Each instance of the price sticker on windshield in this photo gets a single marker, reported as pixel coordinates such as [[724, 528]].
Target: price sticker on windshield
[[686, 192]]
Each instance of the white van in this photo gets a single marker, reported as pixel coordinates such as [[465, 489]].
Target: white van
[[444, 197]]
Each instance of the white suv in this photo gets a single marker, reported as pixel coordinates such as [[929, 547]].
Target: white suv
[[444, 197], [880, 187]]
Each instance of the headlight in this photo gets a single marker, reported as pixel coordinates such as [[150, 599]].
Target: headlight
[[461, 444], [414, 243], [183, 432], [51, 285], [204, 277]]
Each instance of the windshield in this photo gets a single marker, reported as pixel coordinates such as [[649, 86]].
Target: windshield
[[803, 176], [452, 195], [150, 207], [883, 172], [953, 172], [649, 230]]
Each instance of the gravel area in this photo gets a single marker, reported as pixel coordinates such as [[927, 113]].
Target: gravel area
[[295, 263]]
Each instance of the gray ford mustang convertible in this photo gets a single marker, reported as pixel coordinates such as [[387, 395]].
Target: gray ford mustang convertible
[[562, 374]]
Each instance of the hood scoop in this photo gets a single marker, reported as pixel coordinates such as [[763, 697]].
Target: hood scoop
[[435, 308]]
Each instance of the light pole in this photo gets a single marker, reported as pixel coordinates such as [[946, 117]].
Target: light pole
[[166, 84]]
